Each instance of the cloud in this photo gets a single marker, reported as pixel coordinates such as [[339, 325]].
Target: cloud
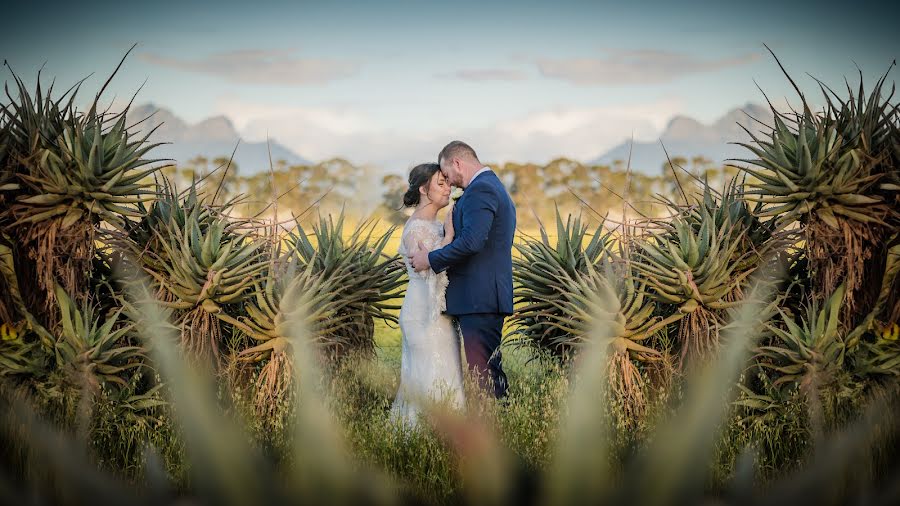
[[540, 136], [481, 75], [253, 66], [579, 133], [647, 66], [320, 133]]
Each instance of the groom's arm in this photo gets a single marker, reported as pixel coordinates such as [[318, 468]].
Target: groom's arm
[[478, 216]]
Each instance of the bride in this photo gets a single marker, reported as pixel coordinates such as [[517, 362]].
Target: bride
[[430, 364]]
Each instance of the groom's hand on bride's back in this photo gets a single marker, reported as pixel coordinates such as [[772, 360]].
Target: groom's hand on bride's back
[[419, 258]]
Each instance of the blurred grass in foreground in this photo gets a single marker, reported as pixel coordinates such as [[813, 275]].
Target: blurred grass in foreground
[[553, 443]]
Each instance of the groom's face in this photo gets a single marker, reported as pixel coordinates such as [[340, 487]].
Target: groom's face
[[451, 170]]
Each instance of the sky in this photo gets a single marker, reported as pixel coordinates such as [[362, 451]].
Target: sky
[[389, 83]]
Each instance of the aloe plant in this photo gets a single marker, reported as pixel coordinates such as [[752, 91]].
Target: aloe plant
[[544, 273], [203, 264], [833, 174], [700, 271], [65, 174], [94, 351], [616, 302], [370, 279], [287, 296], [810, 353]]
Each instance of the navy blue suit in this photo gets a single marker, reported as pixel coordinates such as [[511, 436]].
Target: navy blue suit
[[479, 259]]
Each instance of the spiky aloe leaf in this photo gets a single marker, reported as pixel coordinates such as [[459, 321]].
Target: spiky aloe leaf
[[287, 289], [564, 318]]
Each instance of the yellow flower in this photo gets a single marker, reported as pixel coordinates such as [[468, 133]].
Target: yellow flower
[[890, 332], [9, 332]]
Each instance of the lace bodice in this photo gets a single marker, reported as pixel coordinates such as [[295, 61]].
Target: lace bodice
[[430, 234]]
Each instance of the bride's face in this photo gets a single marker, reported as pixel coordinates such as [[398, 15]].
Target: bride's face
[[438, 190]]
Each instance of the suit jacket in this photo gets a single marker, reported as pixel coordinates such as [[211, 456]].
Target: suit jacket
[[479, 258]]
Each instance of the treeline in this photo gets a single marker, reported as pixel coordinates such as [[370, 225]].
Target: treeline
[[537, 189], [287, 189], [571, 185]]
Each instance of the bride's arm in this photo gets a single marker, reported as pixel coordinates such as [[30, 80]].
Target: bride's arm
[[448, 225]]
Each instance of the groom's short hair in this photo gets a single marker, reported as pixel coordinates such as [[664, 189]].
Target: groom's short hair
[[457, 149]]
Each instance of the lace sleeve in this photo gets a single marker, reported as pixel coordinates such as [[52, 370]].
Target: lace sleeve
[[426, 234], [418, 232]]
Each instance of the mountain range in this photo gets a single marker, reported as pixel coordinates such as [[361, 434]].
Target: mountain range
[[211, 138], [687, 137], [683, 136]]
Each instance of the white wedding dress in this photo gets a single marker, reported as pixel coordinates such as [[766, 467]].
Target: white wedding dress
[[430, 362]]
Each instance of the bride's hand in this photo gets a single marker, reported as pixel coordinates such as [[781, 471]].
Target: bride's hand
[[448, 224]]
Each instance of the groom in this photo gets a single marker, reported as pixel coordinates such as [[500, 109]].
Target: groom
[[480, 293]]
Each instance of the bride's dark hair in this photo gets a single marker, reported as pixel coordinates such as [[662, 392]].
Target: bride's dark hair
[[420, 175]]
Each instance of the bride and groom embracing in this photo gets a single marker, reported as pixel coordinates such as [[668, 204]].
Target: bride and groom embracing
[[460, 281]]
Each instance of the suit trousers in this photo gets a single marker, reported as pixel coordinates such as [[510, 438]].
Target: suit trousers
[[481, 333]]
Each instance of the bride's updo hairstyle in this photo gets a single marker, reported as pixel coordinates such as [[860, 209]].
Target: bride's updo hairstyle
[[420, 175]]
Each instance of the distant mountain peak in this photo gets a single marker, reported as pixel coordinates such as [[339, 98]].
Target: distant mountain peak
[[216, 127], [212, 137], [688, 137], [681, 126], [754, 109], [219, 120]]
